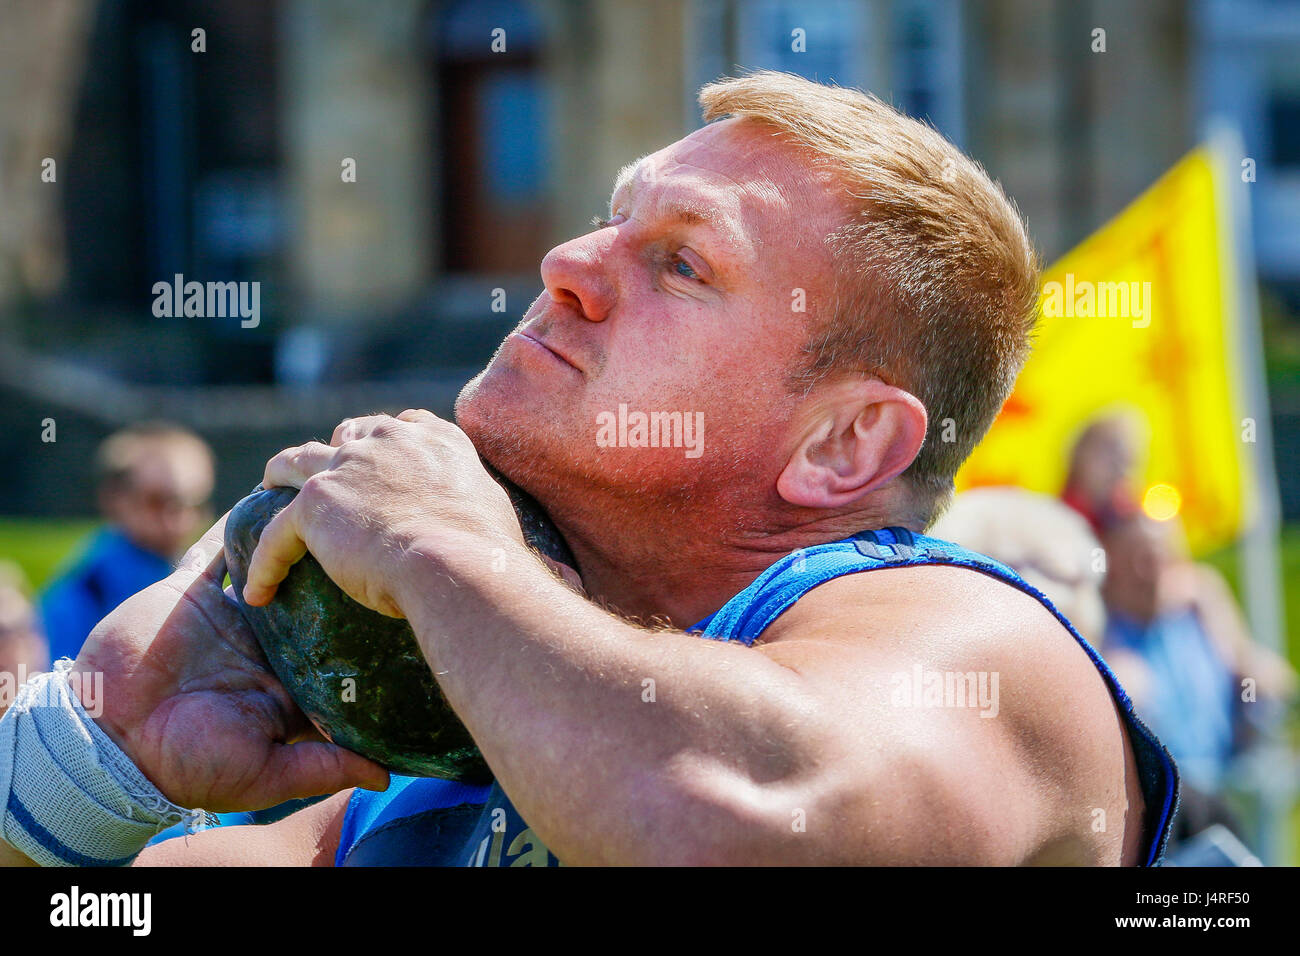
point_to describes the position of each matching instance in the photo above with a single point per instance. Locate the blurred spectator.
(1181, 619)
(22, 647)
(154, 480)
(1099, 484)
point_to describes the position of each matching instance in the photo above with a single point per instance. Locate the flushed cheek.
(741, 366)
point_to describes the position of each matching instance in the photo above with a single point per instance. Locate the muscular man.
(828, 290)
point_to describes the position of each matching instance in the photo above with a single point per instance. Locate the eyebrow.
(625, 177)
(691, 212)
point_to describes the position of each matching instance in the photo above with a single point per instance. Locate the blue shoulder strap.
(748, 614)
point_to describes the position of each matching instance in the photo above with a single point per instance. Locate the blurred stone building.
(392, 171)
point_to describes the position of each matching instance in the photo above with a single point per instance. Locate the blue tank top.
(430, 822)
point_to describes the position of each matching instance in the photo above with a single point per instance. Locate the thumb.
(205, 556)
(310, 768)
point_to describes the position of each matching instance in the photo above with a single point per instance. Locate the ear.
(858, 435)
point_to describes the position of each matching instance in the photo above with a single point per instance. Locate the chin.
(511, 428)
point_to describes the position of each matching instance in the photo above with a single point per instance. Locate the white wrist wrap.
(69, 796)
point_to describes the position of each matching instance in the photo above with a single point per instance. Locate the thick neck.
(684, 565)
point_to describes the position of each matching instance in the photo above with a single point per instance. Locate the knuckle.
(342, 431)
(387, 428)
(298, 457)
(313, 488)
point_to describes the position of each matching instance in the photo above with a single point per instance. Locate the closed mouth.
(560, 355)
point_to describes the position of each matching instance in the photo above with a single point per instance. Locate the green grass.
(40, 546)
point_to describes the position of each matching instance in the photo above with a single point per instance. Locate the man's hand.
(188, 695)
(381, 484)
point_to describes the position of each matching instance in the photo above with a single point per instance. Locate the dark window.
(1284, 129)
(491, 137)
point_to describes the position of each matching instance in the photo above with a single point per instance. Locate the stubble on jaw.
(644, 511)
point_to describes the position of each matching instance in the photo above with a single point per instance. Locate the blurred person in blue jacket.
(154, 481)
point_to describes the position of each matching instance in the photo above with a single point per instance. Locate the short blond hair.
(935, 279)
(121, 453)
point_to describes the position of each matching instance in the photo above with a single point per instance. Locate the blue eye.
(679, 264)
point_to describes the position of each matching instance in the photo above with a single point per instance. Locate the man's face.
(1107, 461)
(691, 299)
(164, 505)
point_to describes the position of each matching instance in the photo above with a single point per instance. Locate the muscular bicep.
(309, 837)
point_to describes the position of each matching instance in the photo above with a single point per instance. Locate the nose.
(576, 274)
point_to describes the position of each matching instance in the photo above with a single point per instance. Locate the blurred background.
(391, 172)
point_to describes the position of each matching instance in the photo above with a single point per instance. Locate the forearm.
(617, 744)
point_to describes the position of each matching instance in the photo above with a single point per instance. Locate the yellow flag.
(1139, 316)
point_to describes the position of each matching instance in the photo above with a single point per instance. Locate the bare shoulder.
(1019, 730)
(309, 837)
